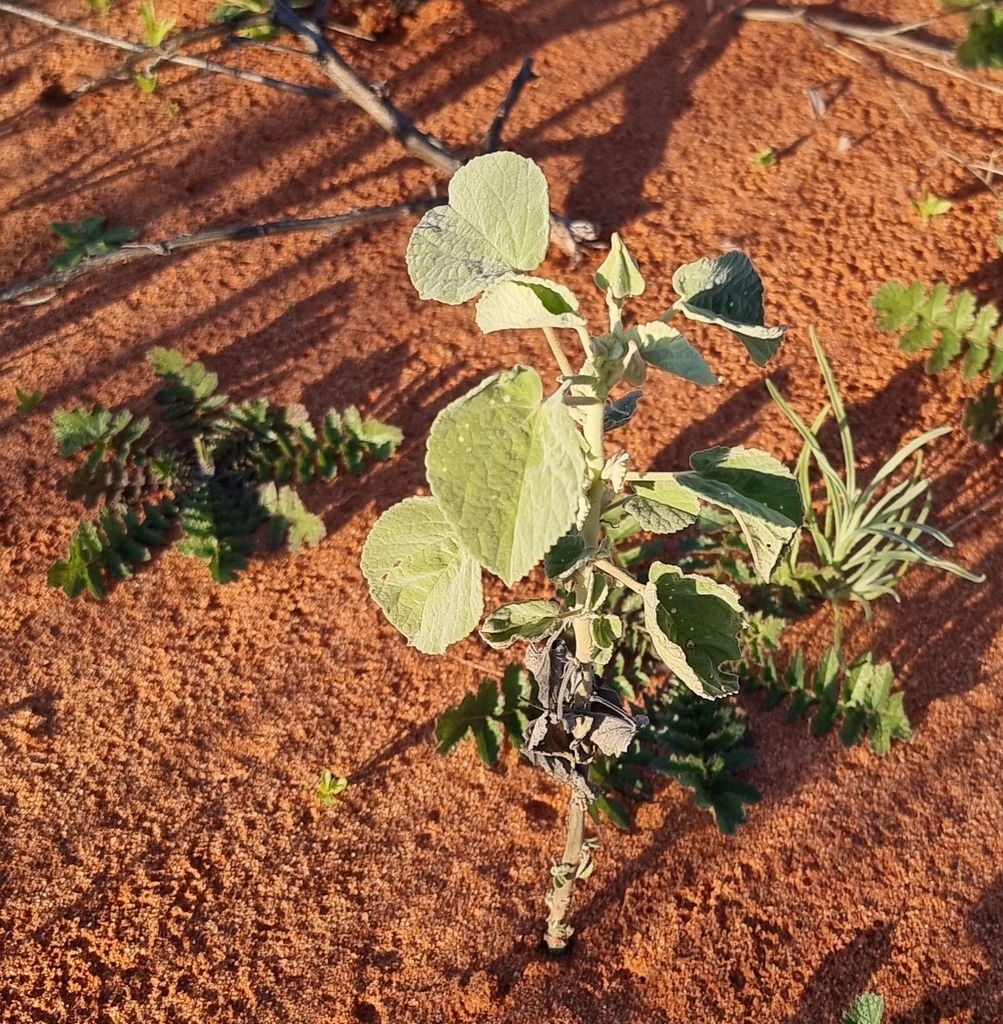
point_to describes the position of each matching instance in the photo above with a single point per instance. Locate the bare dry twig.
(492, 141)
(156, 54)
(28, 293)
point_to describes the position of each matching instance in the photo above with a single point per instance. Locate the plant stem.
(619, 575)
(558, 935)
(558, 352)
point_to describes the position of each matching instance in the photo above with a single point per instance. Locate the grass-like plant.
(89, 237)
(519, 477)
(869, 535)
(214, 474)
(956, 326)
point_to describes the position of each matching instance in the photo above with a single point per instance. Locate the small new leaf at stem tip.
(330, 786)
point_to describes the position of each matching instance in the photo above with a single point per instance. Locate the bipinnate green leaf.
(77, 429)
(527, 302)
(507, 470)
(758, 490)
(497, 224)
(422, 576)
(728, 292)
(522, 620)
(867, 1009)
(694, 625)
(619, 273)
(290, 518)
(663, 346)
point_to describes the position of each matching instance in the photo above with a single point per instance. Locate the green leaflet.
(497, 224)
(867, 1009)
(523, 620)
(621, 412)
(619, 273)
(727, 292)
(420, 574)
(290, 518)
(663, 346)
(758, 490)
(506, 468)
(526, 302)
(694, 625)
(662, 506)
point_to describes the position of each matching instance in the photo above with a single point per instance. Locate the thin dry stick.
(891, 39)
(492, 141)
(157, 54)
(362, 94)
(130, 253)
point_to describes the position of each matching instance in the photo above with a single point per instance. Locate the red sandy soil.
(162, 854)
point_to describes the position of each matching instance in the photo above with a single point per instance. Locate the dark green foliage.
(89, 237)
(984, 415)
(490, 715)
(216, 472)
(982, 47)
(237, 11)
(27, 401)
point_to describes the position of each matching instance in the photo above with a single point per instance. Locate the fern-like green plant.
(88, 237)
(214, 473)
(958, 328)
(982, 46)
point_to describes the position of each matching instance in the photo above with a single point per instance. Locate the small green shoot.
(329, 787)
(89, 237)
(27, 402)
(982, 47)
(867, 1009)
(154, 32)
(146, 82)
(173, 109)
(930, 205)
(99, 6)
(237, 11)
(764, 158)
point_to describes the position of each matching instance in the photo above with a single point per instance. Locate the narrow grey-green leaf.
(497, 223)
(728, 292)
(523, 620)
(507, 469)
(619, 273)
(663, 346)
(621, 412)
(419, 573)
(758, 490)
(694, 625)
(523, 302)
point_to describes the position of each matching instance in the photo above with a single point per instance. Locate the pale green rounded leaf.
(527, 302)
(524, 620)
(728, 292)
(662, 506)
(507, 469)
(694, 625)
(428, 586)
(497, 223)
(619, 273)
(663, 346)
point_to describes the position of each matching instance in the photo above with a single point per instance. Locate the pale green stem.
(558, 935)
(558, 352)
(619, 575)
(583, 337)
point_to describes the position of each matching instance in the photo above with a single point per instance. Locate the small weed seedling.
(99, 6)
(867, 1009)
(154, 32)
(329, 787)
(982, 47)
(929, 206)
(957, 324)
(88, 238)
(519, 477)
(217, 472)
(764, 159)
(27, 401)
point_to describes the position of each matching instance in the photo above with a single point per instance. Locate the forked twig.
(362, 94)
(156, 54)
(130, 253)
(492, 141)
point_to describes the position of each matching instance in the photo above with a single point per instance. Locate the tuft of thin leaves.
(869, 535)
(88, 237)
(214, 473)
